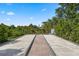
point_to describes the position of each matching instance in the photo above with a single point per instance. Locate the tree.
(3, 33)
(47, 26)
(67, 22)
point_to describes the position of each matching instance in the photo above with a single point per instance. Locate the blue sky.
(26, 13)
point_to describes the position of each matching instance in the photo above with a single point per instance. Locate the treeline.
(9, 32)
(66, 22)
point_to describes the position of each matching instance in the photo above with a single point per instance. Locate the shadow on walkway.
(10, 52)
(9, 42)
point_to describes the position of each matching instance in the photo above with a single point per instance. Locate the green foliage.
(67, 26)
(9, 32)
(66, 22)
(3, 33)
(47, 26)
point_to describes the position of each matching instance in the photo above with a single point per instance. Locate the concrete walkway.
(17, 47)
(62, 47)
(40, 47)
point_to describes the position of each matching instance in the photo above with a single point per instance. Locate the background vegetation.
(65, 24)
(9, 32)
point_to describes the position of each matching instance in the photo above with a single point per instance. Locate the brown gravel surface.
(40, 47)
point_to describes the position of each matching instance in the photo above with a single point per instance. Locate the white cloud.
(8, 19)
(7, 13)
(2, 12)
(31, 18)
(44, 9)
(10, 13)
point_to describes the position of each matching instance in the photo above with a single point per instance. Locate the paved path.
(61, 46)
(17, 47)
(40, 47)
